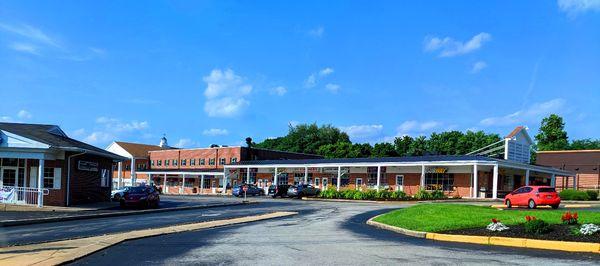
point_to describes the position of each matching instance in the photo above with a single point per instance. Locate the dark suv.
(300, 191)
(279, 190)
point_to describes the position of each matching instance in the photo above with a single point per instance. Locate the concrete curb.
(494, 240)
(7, 223)
(65, 251)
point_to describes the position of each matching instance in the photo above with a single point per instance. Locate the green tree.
(552, 134)
(472, 141)
(306, 138)
(445, 143)
(402, 145)
(383, 149)
(585, 144)
(418, 147)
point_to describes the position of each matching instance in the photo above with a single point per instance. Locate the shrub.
(383, 195)
(592, 194)
(349, 194)
(422, 195)
(572, 194)
(536, 226)
(438, 194)
(370, 194)
(569, 218)
(329, 193)
(398, 195)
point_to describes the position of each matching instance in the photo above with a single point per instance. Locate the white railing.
(20, 195)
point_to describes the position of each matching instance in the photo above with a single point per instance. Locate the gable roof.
(53, 136)
(514, 132)
(137, 149)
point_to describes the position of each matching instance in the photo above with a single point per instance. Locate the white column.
(165, 188)
(182, 189)
(41, 183)
(475, 181)
(248, 175)
(133, 174)
(422, 177)
(224, 192)
(201, 183)
(120, 174)
(305, 175)
(339, 177)
(553, 180)
(527, 177)
(276, 177)
(378, 176)
(575, 181)
(495, 183)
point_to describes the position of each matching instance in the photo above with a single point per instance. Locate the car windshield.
(546, 189)
(136, 189)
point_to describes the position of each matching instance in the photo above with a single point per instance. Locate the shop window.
(152, 163)
(439, 181)
(372, 177)
(211, 161)
(222, 161)
(159, 162)
(183, 162)
(167, 162)
(233, 160)
(174, 162)
(192, 162)
(202, 161)
(104, 178)
(127, 167)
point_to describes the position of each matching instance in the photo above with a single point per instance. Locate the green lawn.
(441, 217)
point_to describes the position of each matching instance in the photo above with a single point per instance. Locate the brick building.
(585, 163)
(38, 158)
(126, 172)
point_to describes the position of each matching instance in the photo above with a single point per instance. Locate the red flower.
(529, 218)
(494, 220)
(575, 216)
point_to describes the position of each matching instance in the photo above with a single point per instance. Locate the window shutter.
(57, 178)
(33, 173)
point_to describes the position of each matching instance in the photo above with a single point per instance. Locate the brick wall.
(85, 185)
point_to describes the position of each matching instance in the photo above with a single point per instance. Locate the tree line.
(331, 142)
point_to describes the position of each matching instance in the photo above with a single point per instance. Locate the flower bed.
(384, 195)
(560, 232)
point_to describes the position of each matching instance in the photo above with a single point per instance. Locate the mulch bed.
(559, 232)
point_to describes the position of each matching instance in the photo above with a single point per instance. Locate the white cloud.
(185, 143)
(31, 33)
(24, 114)
(334, 88)
(575, 7)
(6, 119)
(280, 91)
(225, 93)
(115, 125)
(449, 47)
(314, 78)
(532, 114)
(317, 32)
(362, 132)
(478, 66)
(215, 132)
(311, 81)
(99, 137)
(326, 72)
(413, 126)
(25, 48)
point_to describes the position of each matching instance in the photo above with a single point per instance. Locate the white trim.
(180, 173)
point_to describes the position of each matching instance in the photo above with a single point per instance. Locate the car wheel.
(555, 206)
(508, 204)
(531, 204)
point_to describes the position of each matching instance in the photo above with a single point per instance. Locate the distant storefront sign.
(87, 166)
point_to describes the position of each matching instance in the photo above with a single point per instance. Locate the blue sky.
(206, 72)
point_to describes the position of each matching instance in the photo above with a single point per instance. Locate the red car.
(533, 196)
(142, 196)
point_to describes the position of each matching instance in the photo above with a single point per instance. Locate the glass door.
(399, 183)
(9, 176)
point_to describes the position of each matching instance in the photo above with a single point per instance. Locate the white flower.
(589, 229)
(497, 227)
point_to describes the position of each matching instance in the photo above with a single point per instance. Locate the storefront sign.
(87, 166)
(438, 170)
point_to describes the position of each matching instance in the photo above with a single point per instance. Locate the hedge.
(372, 194)
(572, 194)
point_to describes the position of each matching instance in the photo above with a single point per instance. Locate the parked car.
(142, 196)
(252, 190)
(278, 191)
(117, 194)
(299, 191)
(533, 196)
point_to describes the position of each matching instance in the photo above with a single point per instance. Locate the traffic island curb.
(494, 240)
(65, 251)
(7, 223)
